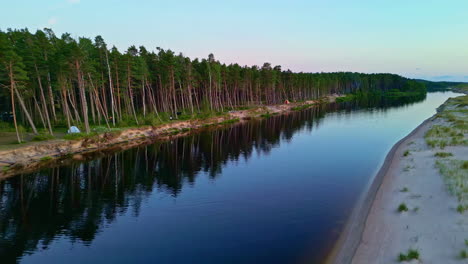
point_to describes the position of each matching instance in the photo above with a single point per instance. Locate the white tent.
(73, 129)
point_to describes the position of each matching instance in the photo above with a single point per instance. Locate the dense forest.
(49, 82)
(78, 200)
(440, 86)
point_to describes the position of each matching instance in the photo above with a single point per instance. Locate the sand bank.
(377, 232)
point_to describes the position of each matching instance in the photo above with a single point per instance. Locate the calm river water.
(276, 190)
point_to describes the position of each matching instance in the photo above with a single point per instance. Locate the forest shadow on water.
(238, 194)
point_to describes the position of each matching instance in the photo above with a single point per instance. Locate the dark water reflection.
(270, 191)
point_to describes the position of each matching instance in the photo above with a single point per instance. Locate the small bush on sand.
(413, 254)
(410, 255)
(443, 154)
(461, 208)
(463, 254)
(402, 208)
(464, 165)
(406, 153)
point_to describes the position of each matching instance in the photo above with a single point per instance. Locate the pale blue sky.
(415, 38)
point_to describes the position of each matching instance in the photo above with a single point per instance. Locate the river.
(276, 190)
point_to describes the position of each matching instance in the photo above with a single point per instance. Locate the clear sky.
(415, 38)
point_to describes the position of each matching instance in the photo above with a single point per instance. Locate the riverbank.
(27, 158)
(414, 207)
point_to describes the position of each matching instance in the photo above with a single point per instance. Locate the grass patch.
(402, 208)
(455, 176)
(464, 165)
(76, 136)
(301, 107)
(230, 121)
(463, 254)
(461, 208)
(455, 112)
(405, 189)
(42, 137)
(347, 98)
(45, 158)
(410, 255)
(443, 154)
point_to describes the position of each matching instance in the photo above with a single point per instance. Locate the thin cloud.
(444, 77)
(52, 21)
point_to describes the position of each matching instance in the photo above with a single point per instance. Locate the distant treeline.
(441, 86)
(55, 81)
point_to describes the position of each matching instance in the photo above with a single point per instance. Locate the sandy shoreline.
(377, 233)
(351, 236)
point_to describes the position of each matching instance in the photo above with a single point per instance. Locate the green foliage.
(46, 158)
(9, 127)
(230, 121)
(76, 136)
(410, 255)
(42, 137)
(347, 98)
(301, 107)
(405, 189)
(413, 254)
(161, 81)
(441, 86)
(463, 254)
(461, 208)
(402, 208)
(443, 136)
(406, 153)
(443, 154)
(464, 165)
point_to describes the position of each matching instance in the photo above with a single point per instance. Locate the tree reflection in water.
(78, 200)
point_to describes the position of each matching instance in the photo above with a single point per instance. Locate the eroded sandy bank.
(29, 158)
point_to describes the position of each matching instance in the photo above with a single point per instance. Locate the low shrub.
(42, 137)
(443, 154)
(402, 208)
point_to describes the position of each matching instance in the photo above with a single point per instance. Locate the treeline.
(77, 200)
(55, 81)
(441, 86)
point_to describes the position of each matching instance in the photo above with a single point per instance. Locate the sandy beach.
(430, 223)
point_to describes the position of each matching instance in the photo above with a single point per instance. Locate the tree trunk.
(12, 87)
(84, 104)
(43, 100)
(111, 88)
(25, 110)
